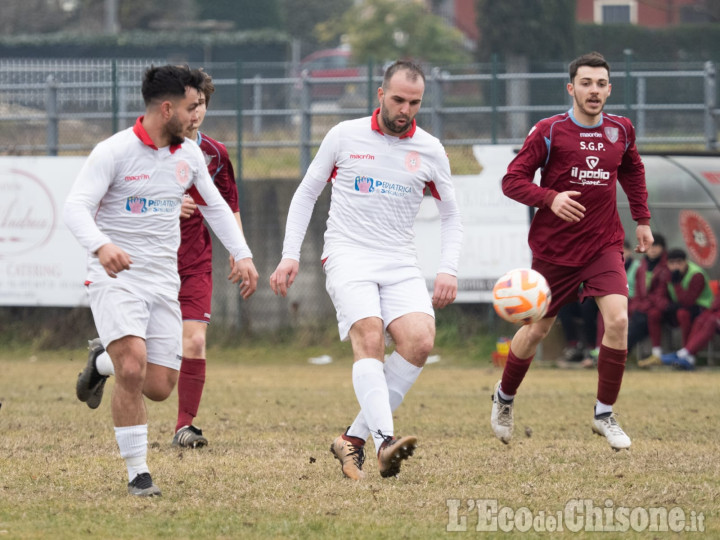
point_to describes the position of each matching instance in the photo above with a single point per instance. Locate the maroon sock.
(190, 387)
(514, 373)
(611, 366)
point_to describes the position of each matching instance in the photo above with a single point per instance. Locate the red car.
(329, 64)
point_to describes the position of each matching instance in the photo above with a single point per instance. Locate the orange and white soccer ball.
(521, 296)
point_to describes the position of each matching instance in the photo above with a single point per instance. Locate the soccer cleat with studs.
(350, 454)
(501, 416)
(393, 452)
(189, 437)
(607, 426)
(90, 384)
(142, 486)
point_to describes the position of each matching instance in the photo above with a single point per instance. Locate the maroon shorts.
(602, 276)
(196, 297)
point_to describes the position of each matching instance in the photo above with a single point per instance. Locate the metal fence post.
(51, 107)
(494, 100)
(628, 83)
(711, 112)
(437, 103)
(115, 107)
(641, 101)
(305, 123)
(239, 128)
(257, 104)
(370, 88)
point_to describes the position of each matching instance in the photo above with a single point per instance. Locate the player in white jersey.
(379, 167)
(124, 209)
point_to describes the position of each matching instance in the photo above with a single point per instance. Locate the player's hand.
(284, 276)
(566, 208)
(244, 271)
(644, 237)
(187, 208)
(113, 259)
(445, 291)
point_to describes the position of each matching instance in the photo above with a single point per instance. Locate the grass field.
(270, 417)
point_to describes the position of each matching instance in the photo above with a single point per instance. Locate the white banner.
(41, 263)
(496, 228)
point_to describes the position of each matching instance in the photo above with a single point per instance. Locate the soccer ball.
(521, 296)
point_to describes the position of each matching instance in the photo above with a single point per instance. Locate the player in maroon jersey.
(576, 236)
(195, 269)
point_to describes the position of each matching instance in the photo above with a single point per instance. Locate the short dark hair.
(207, 87)
(659, 240)
(414, 71)
(676, 254)
(593, 59)
(169, 81)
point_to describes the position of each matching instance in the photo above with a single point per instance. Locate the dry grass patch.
(267, 472)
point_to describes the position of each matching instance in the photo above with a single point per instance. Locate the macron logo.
(362, 156)
(136, 177)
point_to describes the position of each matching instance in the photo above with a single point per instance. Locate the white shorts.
(121, 309)
(363, 285)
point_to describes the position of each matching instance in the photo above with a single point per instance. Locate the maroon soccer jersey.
(195, 252)
(588, 159)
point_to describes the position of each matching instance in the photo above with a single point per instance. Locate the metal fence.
(278, 118)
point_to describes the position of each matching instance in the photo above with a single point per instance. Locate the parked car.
(329, 64)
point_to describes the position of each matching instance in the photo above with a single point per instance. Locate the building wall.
(653, 14)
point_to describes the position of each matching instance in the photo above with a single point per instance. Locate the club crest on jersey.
(208, 158)
(592, 161)
(412, 161)
(612, 134)
(182, 173)
(364, 184)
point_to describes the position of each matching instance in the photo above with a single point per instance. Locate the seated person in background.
(651, 297)
(702, 331)
(579, 325)
(689, 293)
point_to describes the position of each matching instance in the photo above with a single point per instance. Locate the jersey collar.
(139, 130)
(375, 124)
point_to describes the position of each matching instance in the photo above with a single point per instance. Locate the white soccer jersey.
(129, 193)
(377, 187)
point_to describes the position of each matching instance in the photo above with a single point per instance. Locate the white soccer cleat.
(611, 430)
(501, 417)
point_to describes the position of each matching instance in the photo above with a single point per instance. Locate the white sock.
(104, 364)
(683, 353)
(132, 441)
(504, 396)
(372, 393)
(657, 351)
(400, 375)
(601, 408)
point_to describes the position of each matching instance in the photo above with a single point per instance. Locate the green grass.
(267, 473)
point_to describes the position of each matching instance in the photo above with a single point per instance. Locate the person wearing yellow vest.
(689, 293)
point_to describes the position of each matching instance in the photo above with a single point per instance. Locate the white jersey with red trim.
(377, 187)
(129, 193)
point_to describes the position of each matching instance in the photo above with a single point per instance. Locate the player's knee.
(160, 387)
(617, 323)
(194, 346)
(130, 372)
(535, 333)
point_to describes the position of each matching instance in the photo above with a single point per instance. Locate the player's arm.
(631, 176)
(451, 234)
(222, 221)
(518, 184)
(81, 205)
(300, 212)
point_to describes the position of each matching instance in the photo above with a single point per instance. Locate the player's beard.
(174, 130)
(391, 125)
(582, 107)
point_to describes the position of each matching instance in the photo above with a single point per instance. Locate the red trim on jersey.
(333, 175)
(139, 130)
(195, 194)
(376, 125)
(433, 190)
